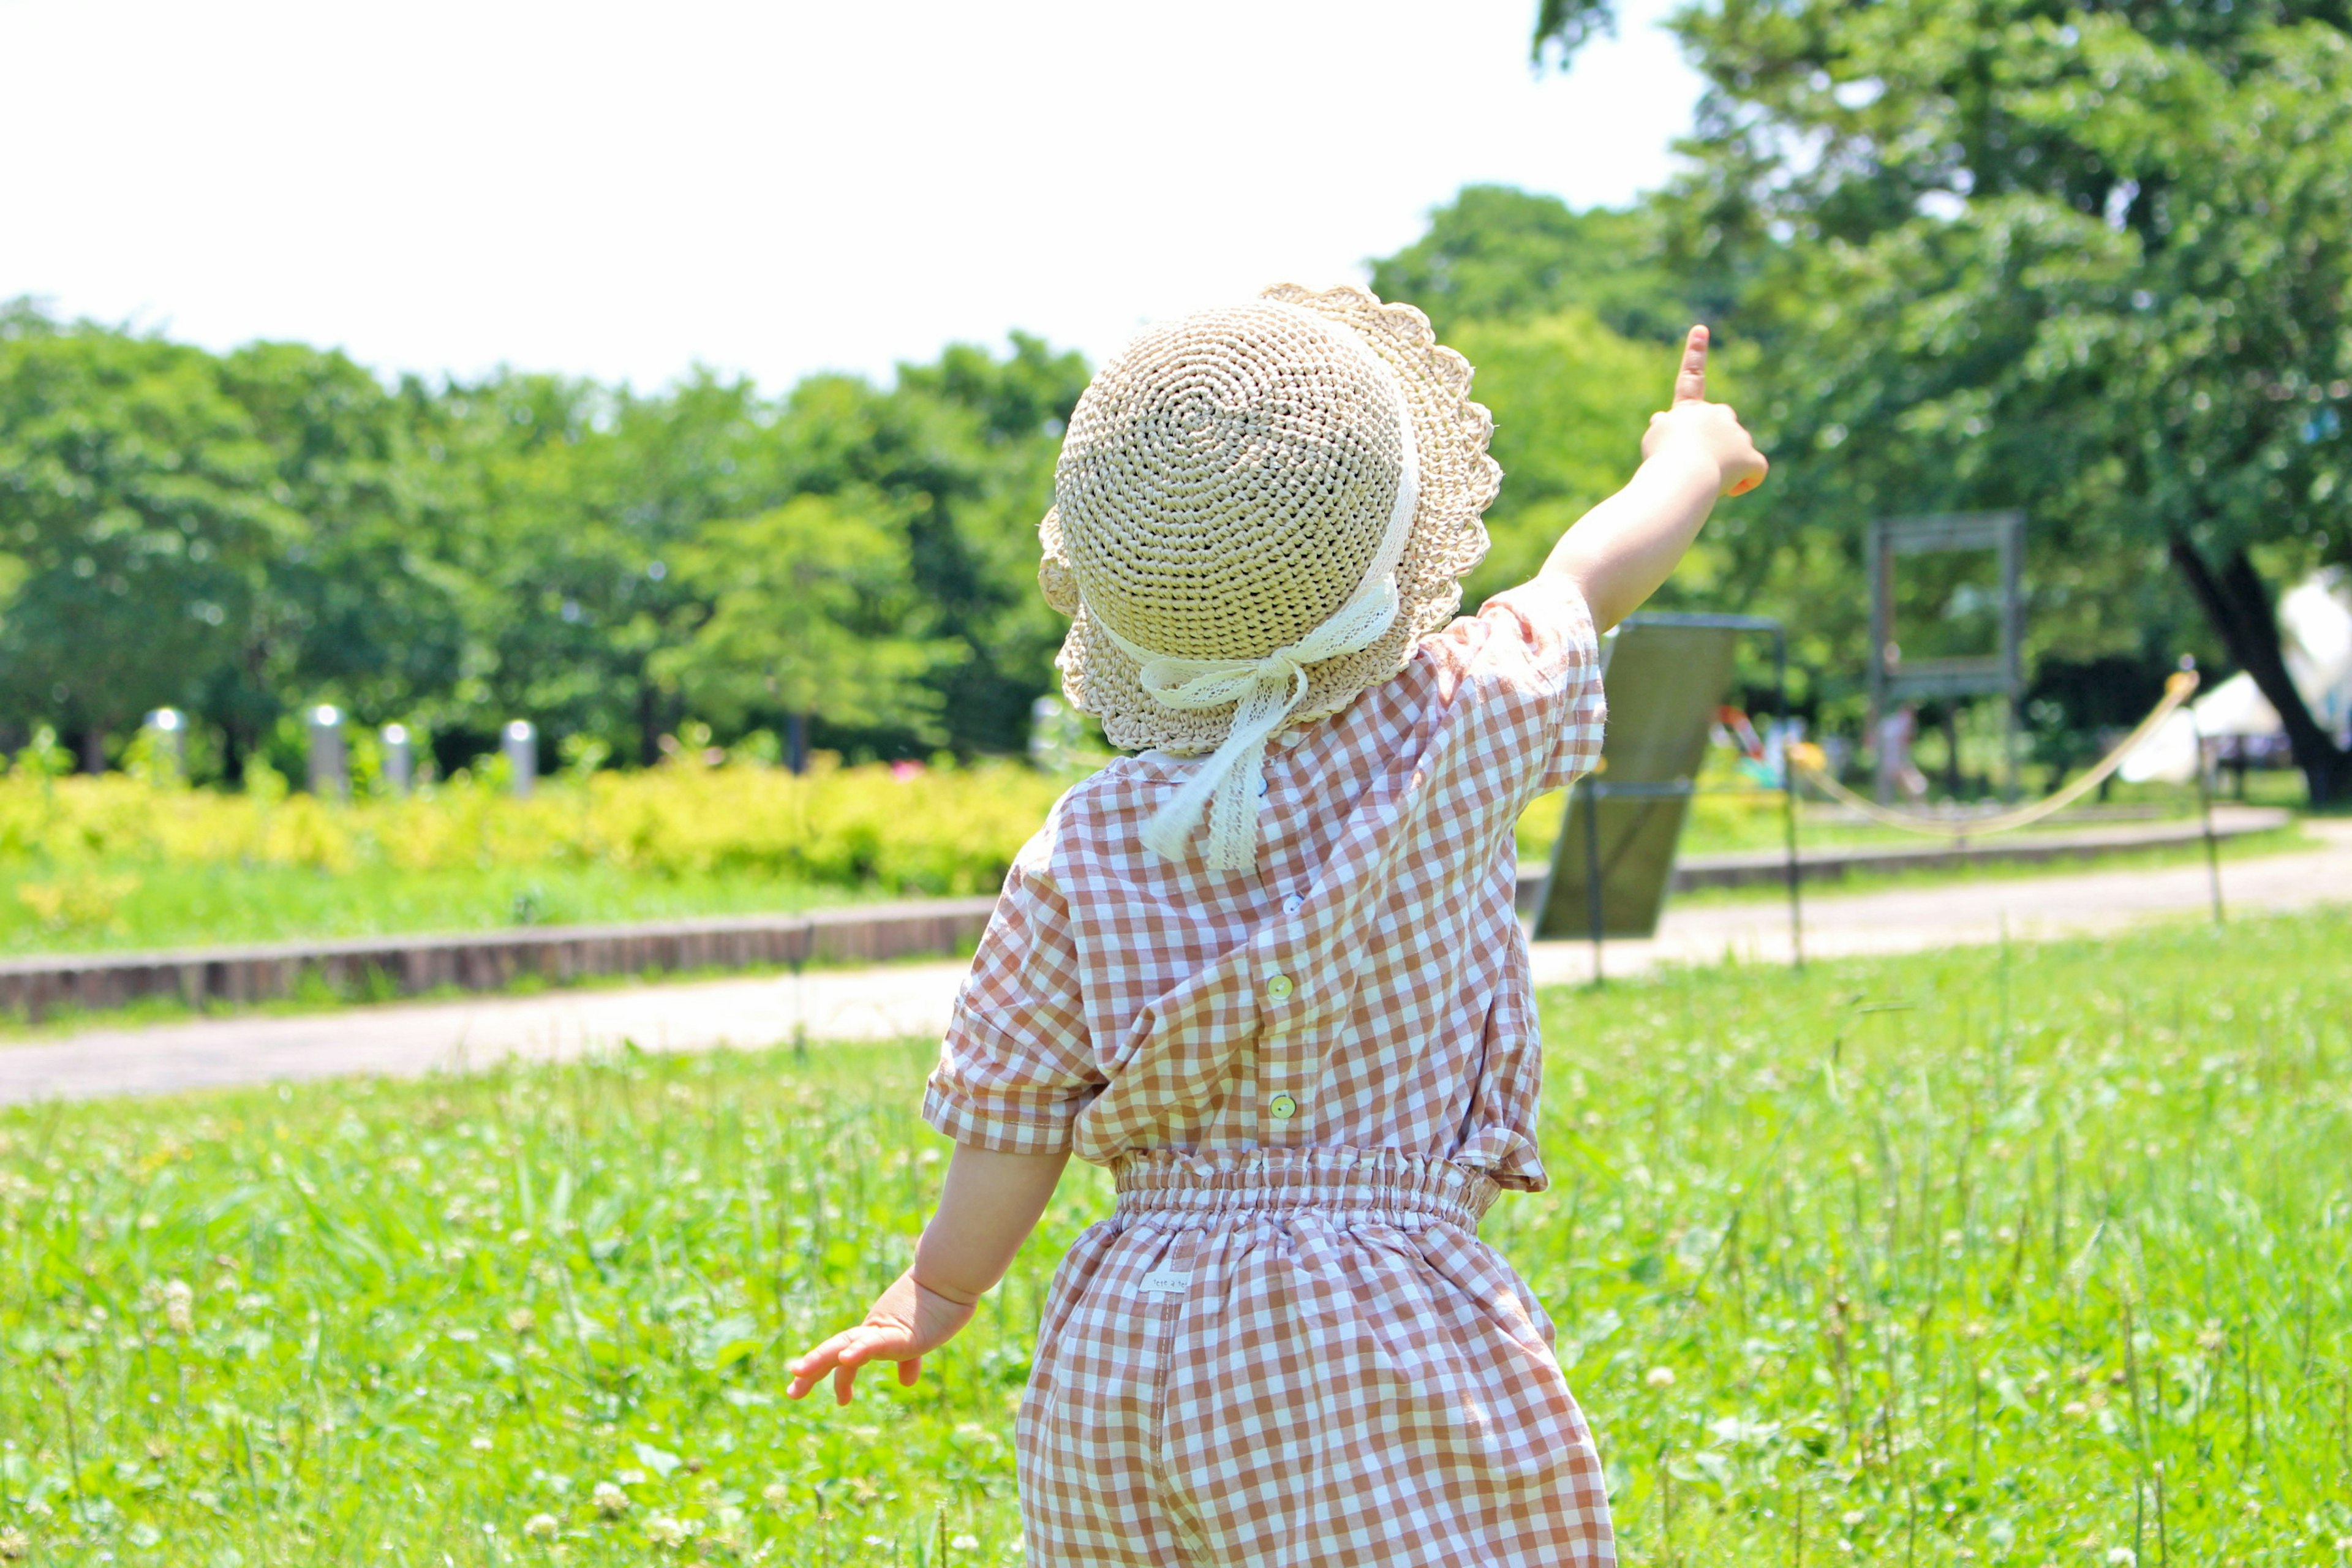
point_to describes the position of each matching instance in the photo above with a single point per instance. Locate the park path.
(896, 1001)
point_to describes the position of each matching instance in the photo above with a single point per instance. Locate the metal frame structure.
(1592, 788)
(2002, 674)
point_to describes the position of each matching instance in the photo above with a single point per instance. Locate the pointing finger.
(1690, 381)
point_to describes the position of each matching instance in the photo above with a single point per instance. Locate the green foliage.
(1917, 1257)
(255, 532)
(1495, 253)
(805, 602)
(137, 520)
(2093, 264)
(171, 866)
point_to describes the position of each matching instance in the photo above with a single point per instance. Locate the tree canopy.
(2093, 261)
(246, 534)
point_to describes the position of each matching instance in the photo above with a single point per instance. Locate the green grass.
(1951, 1253)
(147, 904)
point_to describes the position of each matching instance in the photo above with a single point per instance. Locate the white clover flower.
(1852, 1516)
(775, 1494)
(610, 1500)
(2122, 1556)
(664, 1530)
(179, 1306)
(1660, 1377)
(966, 1543)
(540, 1527)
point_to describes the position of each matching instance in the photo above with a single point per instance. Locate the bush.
(907, 830)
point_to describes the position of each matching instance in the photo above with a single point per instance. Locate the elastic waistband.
(1387, 1186)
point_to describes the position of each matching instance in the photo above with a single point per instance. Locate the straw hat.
(1257, 512)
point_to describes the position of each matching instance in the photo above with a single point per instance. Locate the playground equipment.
(1666, 676)
(1893, 678)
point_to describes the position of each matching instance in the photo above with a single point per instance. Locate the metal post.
(399, 758)
(1047, 753)
(330, 773)
(2205, 802)
(1592, 868)
(2012, 647)
(1879, 563)
(521, 745)
(1788, 795)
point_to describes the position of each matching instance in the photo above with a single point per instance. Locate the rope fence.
(1808, 759)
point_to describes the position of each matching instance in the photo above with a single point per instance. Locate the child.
(1281, 993)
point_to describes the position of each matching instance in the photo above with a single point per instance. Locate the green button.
(1278, 986)
(1283, 1107)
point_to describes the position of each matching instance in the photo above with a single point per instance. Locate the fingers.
(842, 1355)
(809, 1370)
(1690, 381)
(862, 1348)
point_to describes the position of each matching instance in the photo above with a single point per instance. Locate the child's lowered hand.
(906, 1322)
(1707, 432)
(990, 1202)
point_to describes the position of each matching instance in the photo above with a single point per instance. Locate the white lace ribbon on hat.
(1266, 691)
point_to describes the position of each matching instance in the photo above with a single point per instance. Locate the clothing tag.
(1166, 1280)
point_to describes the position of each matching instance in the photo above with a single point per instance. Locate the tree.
(136, 521)
(810, 607)
(964, 448)
(2098, 263)
(1496, 254)
(361, 602)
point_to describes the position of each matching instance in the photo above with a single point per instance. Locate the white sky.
(624, 191)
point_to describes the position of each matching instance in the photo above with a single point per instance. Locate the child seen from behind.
(1267, 970)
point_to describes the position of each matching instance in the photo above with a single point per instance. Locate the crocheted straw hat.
(1257, 512)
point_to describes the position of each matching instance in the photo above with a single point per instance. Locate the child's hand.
(1709, 432)
(906, 1322)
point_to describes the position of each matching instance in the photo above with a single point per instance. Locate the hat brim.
(1448, 539)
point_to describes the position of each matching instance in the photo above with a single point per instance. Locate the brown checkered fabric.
(1288, 1345)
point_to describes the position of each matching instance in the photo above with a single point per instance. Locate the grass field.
(2036, 1256)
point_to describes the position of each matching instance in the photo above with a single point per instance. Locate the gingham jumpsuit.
(1288, 1345)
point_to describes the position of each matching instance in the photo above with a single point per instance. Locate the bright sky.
(624, 191)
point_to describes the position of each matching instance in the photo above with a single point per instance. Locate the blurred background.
(464, 390)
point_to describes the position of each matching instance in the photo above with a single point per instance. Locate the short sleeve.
(1552, 629)
(1017, 1067)
(1526, 671)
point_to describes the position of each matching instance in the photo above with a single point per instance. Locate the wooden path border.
(389, 966)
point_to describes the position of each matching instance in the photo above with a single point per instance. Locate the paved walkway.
(902, 1000)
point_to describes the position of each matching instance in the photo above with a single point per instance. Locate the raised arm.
(1695, 453)
(989, 1206)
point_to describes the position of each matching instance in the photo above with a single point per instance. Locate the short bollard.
(330, 773)
(399, 759)
(167, 741)
(521, 743)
